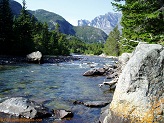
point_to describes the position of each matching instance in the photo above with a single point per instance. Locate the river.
(57, 86)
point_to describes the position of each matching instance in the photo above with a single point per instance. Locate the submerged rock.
(22, 107)
(60, 114)
(95, 104)
(139, 93)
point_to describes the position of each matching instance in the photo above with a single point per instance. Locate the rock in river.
(95, 104)
(34, 57)
(95, 72)
(22, 107)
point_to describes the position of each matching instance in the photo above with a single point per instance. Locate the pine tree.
(53, 43)
(143, 20)
(23, 28)
(38, 37)
(45, 39)
(6, 31)
(63, 45)
(111, 46)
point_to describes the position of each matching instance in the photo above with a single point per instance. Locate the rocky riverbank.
(7, 60)
(58, 59)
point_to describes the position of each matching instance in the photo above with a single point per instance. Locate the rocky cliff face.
(104, 22)
(139, 93)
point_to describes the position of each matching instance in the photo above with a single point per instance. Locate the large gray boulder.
(34, 57)
(22, 107)
(139, 94)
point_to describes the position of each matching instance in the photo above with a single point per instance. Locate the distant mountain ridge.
(87, 33)
(52, 19)
(104, 22)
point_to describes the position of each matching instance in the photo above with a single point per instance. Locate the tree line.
(24, 34)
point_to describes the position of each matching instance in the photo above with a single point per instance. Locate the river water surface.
(57, 86)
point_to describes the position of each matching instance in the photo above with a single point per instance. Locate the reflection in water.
(58, 86)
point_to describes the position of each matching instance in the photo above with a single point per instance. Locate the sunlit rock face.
(139, 93)
(25, 108)
(104, 22)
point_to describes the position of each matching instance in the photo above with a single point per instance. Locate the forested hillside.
(52, 19)
(90, 34)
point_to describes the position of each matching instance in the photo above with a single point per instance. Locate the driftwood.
(111, 83)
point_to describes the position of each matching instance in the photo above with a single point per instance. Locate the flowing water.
(57, 86)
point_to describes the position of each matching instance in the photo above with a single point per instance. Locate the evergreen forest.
(142, 21)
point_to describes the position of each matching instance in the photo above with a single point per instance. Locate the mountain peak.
(104, 22)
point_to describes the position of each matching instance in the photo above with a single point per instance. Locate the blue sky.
(72, 10)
